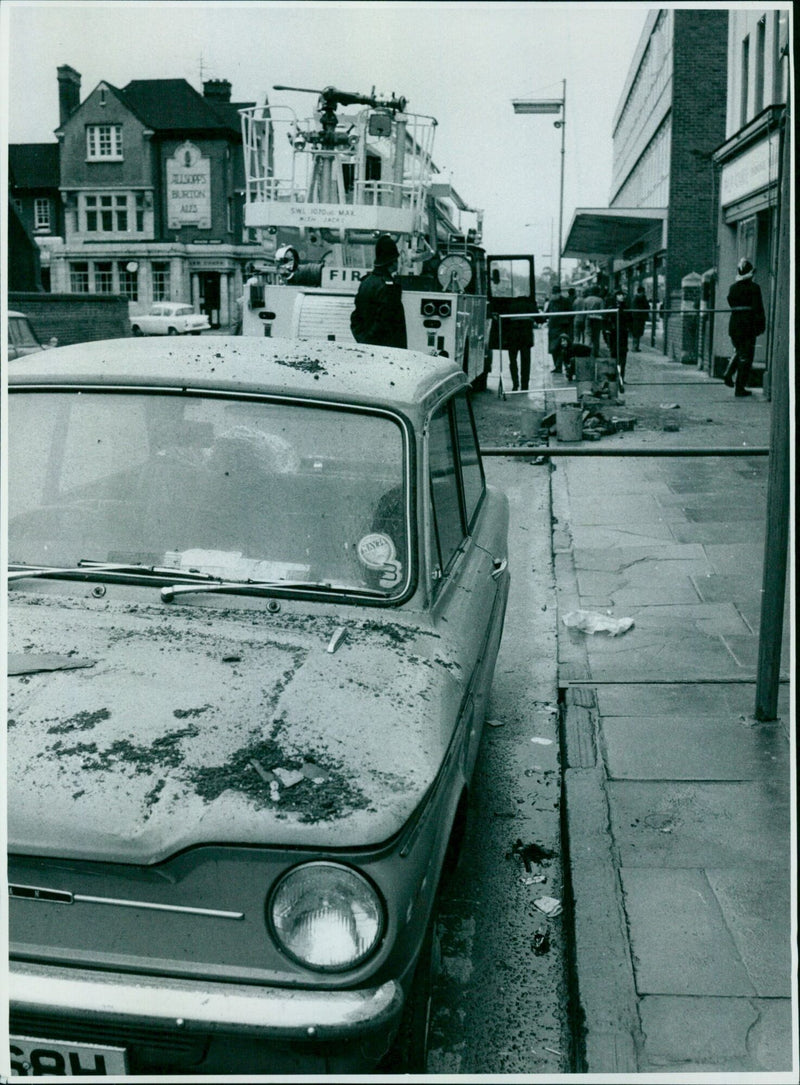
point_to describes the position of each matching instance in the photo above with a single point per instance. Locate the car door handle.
(499, 567)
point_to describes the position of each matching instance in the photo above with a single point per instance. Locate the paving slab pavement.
(678, 802)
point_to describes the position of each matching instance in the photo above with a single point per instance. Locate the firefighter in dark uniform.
(378, 317)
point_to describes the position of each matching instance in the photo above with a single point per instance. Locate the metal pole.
(561, 196)
(776, 542)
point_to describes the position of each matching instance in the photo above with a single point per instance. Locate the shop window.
(41, 213)
(103, 278)
(129, 281)
(103, 142)
(161, 282)
(79, 277)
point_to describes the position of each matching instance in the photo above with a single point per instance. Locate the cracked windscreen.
(237, 489)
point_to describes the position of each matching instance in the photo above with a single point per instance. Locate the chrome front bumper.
(200, 1006)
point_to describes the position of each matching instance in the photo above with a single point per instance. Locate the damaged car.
(256, 594)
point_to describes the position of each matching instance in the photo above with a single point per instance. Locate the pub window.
(103, 141)
(129, 282)
(139, 212)
(41, 213)
(103, 278)
(79, 277)
(161, 282)
(121, 213)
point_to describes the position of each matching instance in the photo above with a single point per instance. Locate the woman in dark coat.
(640, 308)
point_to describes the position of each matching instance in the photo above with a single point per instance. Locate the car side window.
(471, 466)
(448, 523)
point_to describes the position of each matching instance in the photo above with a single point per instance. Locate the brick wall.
(73, 318)
(699, 95)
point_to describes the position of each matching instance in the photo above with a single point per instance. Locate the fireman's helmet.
(287, 259)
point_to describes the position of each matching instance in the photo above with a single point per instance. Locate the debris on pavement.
(586, 621)
(669, 406)
(533, 879)
(549, 905)
(495, 723)
(541, 943)
(529, 853)
(542, 741)
(289, 777)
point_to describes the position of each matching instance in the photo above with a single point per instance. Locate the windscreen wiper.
(258, 587)
(88, 569)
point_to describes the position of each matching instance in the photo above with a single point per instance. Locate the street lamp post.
(551, 105)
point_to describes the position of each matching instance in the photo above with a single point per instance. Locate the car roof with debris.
(319, 369)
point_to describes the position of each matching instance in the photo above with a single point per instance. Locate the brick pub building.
(151, 185)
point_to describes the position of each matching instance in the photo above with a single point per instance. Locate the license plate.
(35, 1057)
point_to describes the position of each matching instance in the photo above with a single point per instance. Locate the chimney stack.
(218, 90)
(69, 92)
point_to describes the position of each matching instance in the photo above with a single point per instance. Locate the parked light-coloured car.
(256, 593)
(170, 318)
(22, 339)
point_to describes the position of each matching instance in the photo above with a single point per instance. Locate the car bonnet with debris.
(256, 592)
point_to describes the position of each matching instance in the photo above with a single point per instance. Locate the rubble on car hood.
(224, 724)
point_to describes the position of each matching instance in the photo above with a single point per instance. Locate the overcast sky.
(461, 62)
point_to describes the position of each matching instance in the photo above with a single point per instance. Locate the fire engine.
(321, 190)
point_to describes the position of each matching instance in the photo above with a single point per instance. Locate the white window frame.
(160, 277)
(42, 211)
(109, 207)
(104, 143)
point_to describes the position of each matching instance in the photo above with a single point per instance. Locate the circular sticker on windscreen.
(376, 550)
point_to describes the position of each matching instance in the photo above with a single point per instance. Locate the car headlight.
(326, 916)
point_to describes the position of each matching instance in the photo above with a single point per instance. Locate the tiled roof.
(173, 104)
(33, 165)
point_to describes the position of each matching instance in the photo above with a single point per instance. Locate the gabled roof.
(33, 165)
(174, 105)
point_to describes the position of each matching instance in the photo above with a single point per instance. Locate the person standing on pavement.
(557, 325)
(592, 302)
(641, 307)
(518, 340)
(618, 326)
(747, 322)
(579, 320)
(378, 317)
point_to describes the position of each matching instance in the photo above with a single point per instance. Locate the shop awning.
(621, 233)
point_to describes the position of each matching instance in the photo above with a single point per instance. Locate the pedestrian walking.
(557, 325)
(617, 329)
(579, 320)
(518, 340)
(641, 308)
(378, 317)
(592, 302)
(747, 322)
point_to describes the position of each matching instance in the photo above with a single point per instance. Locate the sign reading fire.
(188, 188)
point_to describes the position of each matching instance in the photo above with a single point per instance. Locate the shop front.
(748, 217)
(630, 245)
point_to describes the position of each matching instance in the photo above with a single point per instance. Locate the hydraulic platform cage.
(364, 182)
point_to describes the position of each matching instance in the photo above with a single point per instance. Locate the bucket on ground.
(569, 422)
(584, 376)
(533, 414)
